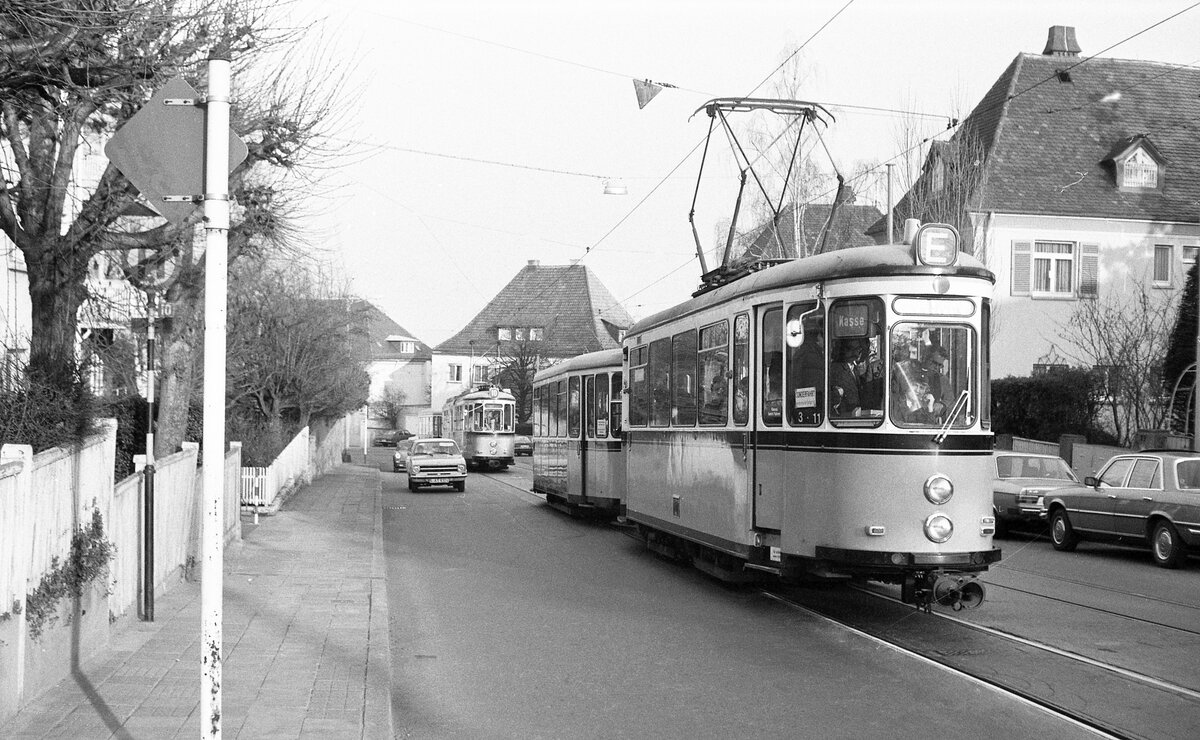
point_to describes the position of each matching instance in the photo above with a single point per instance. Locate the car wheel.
(1062, 535)
(460, 486)
(412, 485)
(1001, 525)
(1164, 543)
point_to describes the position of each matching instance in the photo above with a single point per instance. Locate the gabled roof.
(386, 336)
(1049, 131)
(571, 305)
(848, 229)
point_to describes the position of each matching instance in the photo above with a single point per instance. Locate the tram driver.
(919, 387)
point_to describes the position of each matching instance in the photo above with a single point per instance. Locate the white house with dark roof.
(1090, 184)
(558, 310)
(398, 361)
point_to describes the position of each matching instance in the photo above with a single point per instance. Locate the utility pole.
(148, 471)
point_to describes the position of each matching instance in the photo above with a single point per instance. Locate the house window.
(1189, 258)
(407, 348)
(455, 374)
(504, 333)
(480, 373)
(1162, 264)
(519, 333)
(536, 334)
(1140, 171)
(1041, 368)
(1054, 268)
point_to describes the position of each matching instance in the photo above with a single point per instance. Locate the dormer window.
(1137, 164)
(1139, 171)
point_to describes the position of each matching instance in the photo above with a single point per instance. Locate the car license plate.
(439, 480)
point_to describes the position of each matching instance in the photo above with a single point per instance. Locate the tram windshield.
(932, 369)
(491, 417)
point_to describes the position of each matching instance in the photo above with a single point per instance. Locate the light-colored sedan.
(1149, 498)
(435, 462)
(1019, 484)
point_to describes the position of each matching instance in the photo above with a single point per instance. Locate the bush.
(1048, 406)
(46, 416)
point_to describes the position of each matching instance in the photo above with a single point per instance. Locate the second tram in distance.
(482, 421)
(826, 416)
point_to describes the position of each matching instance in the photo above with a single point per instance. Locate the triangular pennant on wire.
(646, 90)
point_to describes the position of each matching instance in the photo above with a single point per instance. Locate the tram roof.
(482, 394)
(878, 261)
(605, 358)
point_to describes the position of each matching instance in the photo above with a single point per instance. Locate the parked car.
(1149, 498)
(401, 453)
(435, 462)
(1020, 482)
(522, 445)
(386, 438)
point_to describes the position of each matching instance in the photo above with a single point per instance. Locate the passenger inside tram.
(919, 388)
(806, 369)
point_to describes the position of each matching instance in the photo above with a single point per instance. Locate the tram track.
(1100, 696)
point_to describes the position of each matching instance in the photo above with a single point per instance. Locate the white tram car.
(825, 416)
(482, 421)
(578, 460)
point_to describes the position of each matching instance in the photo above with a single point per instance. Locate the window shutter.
(1020, 267)
(1089, 270)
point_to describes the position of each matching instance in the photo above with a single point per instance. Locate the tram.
(578, 460)
(823, 417)
(482, 422)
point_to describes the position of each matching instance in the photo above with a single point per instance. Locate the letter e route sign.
(161, 150)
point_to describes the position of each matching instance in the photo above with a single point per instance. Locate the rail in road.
(1114, 696)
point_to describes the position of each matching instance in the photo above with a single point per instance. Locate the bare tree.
(71, 71)
(1125, 338)
(518, 361)
(390, 405)
(293, 351)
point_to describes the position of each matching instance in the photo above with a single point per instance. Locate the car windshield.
(1028, 466)
(442, 449)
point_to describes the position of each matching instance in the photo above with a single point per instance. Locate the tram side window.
(573, 407)
(601, 412)
(683, 380)
(805, 364)
(985, 367)
(560, 409)
(932, 369)
(856, 362)
(741, 369)
(509, 410)
(614, 405)
(639, 387)
(658, 373)
(771, 366)
(589, 405)
(714, 377)
(537, 412)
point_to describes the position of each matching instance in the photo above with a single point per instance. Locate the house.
(399, 367)
(1073, 179)
(546, 313)
(802, 230)
(14, 310)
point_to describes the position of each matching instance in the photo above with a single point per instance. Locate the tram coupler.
(956, 591)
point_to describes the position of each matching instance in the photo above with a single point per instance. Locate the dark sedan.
(522, 445)
(1149, 498)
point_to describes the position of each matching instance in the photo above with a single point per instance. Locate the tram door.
(770, 443)
(576, 441)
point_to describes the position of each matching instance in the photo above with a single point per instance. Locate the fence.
(302, 460)
(44, 500)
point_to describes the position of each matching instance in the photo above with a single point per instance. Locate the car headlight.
(938, 489)
(462, 469)
(415, 467)
(938, 528)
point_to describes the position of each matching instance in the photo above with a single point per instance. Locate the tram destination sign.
(161, 150)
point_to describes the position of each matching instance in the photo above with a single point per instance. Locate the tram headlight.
(938, 528)
(938, 489)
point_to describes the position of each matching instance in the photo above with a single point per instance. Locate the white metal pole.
(890, 233)
(216, 231)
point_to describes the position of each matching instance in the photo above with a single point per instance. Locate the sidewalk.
(305, 637)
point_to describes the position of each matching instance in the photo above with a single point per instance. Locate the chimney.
(535, 263)
(1061, 42)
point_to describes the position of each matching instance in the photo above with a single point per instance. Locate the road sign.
(161, 150)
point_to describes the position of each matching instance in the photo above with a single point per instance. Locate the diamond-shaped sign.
(161, 150)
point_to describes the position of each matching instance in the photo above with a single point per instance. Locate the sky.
(479, 135)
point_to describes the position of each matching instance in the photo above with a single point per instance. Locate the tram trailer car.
(826, 416)
(482, 422)
(578, 457)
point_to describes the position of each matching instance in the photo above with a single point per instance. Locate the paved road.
(510, 620)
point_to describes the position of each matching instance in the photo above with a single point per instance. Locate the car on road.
(435, 462)
(400, 455)
(1149, 498)
(522, 445)
(1019, 484)
(386, 438)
